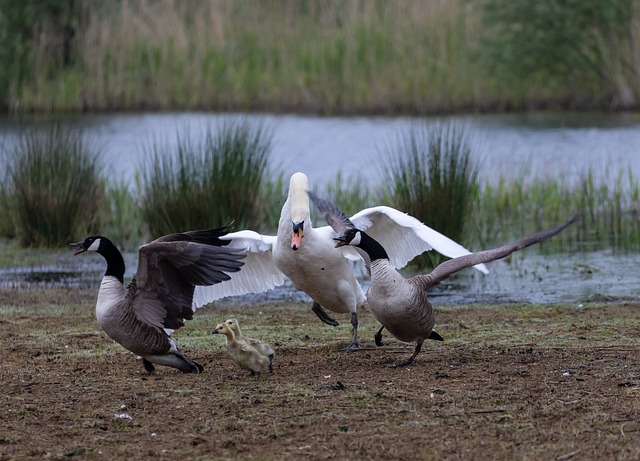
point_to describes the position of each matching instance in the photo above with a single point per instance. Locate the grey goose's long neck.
(115, 261)
(372, 247)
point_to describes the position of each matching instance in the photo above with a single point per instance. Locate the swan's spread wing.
(404, 237)
(258, 274)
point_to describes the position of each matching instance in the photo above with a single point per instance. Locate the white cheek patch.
(356, 240)
(94, 246)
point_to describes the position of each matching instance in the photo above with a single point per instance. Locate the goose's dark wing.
(339, 222)
(334, 216)
(206, 237)
(170, 267)
(445, 269)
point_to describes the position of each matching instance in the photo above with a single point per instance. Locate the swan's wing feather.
(404, 237)
(258, 274)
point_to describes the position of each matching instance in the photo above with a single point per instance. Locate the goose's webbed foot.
(411, 360)
(255, 374)
(355, 346)
(404, 363)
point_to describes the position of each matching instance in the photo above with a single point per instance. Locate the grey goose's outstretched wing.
(334, 216)
(339, 222)
(170, 267)
(445, 269)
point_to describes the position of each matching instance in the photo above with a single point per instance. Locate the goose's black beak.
(79, 247)
(340, 241)
(215, 332)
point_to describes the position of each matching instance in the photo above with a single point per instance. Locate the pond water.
(532, 146)
(526, 277)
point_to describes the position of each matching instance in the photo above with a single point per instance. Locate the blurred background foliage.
(332, 56)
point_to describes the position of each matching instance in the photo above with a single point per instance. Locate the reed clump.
(429, 173)
(7, 221)
(211, 181)
(121, 214)
(351, 194)
(54, 188)
(521, 206)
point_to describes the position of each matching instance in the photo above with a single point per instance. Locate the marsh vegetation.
(225, 175)
(325, 57)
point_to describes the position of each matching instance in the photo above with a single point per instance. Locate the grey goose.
(141, 315)
(401, 304)
(309, 258)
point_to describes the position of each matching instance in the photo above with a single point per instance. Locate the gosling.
(243, 353)
(260, 346)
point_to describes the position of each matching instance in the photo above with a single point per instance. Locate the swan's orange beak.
(296, 237)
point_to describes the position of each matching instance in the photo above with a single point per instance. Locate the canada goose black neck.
(372, 247)
(115, 261)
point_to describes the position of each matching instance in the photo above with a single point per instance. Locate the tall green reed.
(208, 182)
(351, 194)
(430, 174)
(326, 57)
(55, 184)
(519, 206)
(121, 215)
(7, 222)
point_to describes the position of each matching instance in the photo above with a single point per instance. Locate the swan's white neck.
(299, 197)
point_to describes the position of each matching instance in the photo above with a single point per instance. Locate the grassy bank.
(328, 57)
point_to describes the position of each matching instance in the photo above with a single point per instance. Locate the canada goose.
(260, 346)
(159, 297)
(308, 257)
(399, 304)
(243, 353)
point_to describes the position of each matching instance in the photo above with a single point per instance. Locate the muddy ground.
(509, 382)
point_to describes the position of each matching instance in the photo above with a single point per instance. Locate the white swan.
(309, 258)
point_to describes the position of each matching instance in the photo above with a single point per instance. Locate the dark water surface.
(527, 277)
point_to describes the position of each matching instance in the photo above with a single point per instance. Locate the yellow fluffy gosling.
(242, 352)
(260, 346)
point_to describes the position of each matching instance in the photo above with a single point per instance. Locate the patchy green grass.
(12, 254)
(562, 378)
